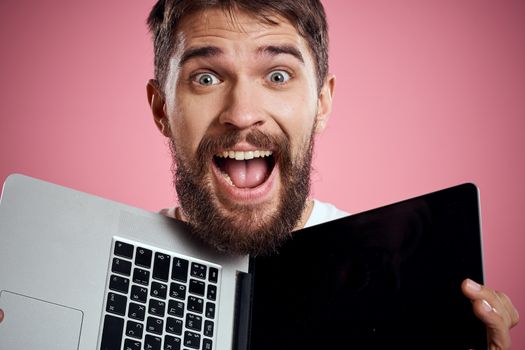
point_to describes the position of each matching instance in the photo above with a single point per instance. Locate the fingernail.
(473, 285)
(486, 306)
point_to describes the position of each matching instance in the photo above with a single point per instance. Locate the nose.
(242, 106)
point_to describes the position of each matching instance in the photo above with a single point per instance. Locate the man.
(241, 89)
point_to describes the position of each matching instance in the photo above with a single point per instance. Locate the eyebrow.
(202, 51)
(274, 50)
(210, 51)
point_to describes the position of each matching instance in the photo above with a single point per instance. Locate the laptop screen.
(385, 278)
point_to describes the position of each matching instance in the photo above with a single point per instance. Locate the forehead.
(236, 28)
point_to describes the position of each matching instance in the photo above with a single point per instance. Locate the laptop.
(81, 272)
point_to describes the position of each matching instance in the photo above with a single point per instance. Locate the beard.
(245, 229)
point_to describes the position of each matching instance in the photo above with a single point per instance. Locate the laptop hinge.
(243, 302)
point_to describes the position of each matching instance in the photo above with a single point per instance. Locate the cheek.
(189, 124)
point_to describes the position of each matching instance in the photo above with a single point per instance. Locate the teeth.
(240, 155)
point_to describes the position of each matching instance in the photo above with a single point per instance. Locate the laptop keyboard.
(158, 300)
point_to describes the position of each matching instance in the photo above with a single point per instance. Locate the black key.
(134, 329)
(179, 272)
(207, 344)
(123, 249)
(171, 343)
(141, 276)
(208, 328)
(136, 311)
(112, 333)
(161, 267)
(130, 344)
(139, 293)
(157, 307)
(198, 270)
(176, 308)
(210, 310)
(120, 284)
(143, 257)
(151, 342)
(193, 322)
(177, 291)
(154, 325)
(197, 287)
(159, 290)
(174, 325)
(195, 304)
(121, 266)
(214, 275)
(192, 340)
(212, 292)
(116, 304)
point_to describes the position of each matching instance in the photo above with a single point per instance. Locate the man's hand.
(495, 310)
(1, 315)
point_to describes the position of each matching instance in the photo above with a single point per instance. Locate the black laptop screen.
(388, 278)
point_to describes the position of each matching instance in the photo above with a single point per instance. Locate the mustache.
(211, 145)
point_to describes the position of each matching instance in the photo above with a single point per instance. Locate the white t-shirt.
(323, 212)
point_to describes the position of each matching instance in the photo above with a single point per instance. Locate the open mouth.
(245, 169)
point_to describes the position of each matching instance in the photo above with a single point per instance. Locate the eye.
(206, 79)
(279, 77)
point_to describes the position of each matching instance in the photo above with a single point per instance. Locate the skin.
(242, 96)
(244, 99)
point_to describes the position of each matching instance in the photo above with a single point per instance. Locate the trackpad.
(35, 324)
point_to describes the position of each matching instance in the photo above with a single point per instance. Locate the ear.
(157, 105)
(324, 103)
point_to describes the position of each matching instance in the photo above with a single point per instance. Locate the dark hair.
(307, 16)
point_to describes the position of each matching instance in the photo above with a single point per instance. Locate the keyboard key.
(198, 270)
(193, 322)
(159, 290)
(210, 310)
(120, 284)
(137, 311)
(112, 333)
(130, 344)
(151, 342)
(171, 343)
(195, 304)
(121, 266)
(214, 275)
(123, 249)
(139, 293)
(161, 267)
(197, 287)
(134, 329)
(141, 276)
(174, 325)
(177, 291)
(157, 307)
(212, 292)
(143, 257)
(154, 325)
(207, 344)
(176, 308)
(116, 304)
(208, 328)
(179, 272)
(192, 340)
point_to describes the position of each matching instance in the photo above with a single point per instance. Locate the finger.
(1, 315)
(495, 310)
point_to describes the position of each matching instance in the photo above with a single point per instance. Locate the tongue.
(246, 173)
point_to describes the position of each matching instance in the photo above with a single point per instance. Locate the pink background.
(430, 94)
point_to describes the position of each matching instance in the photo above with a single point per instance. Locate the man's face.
(241, 106)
